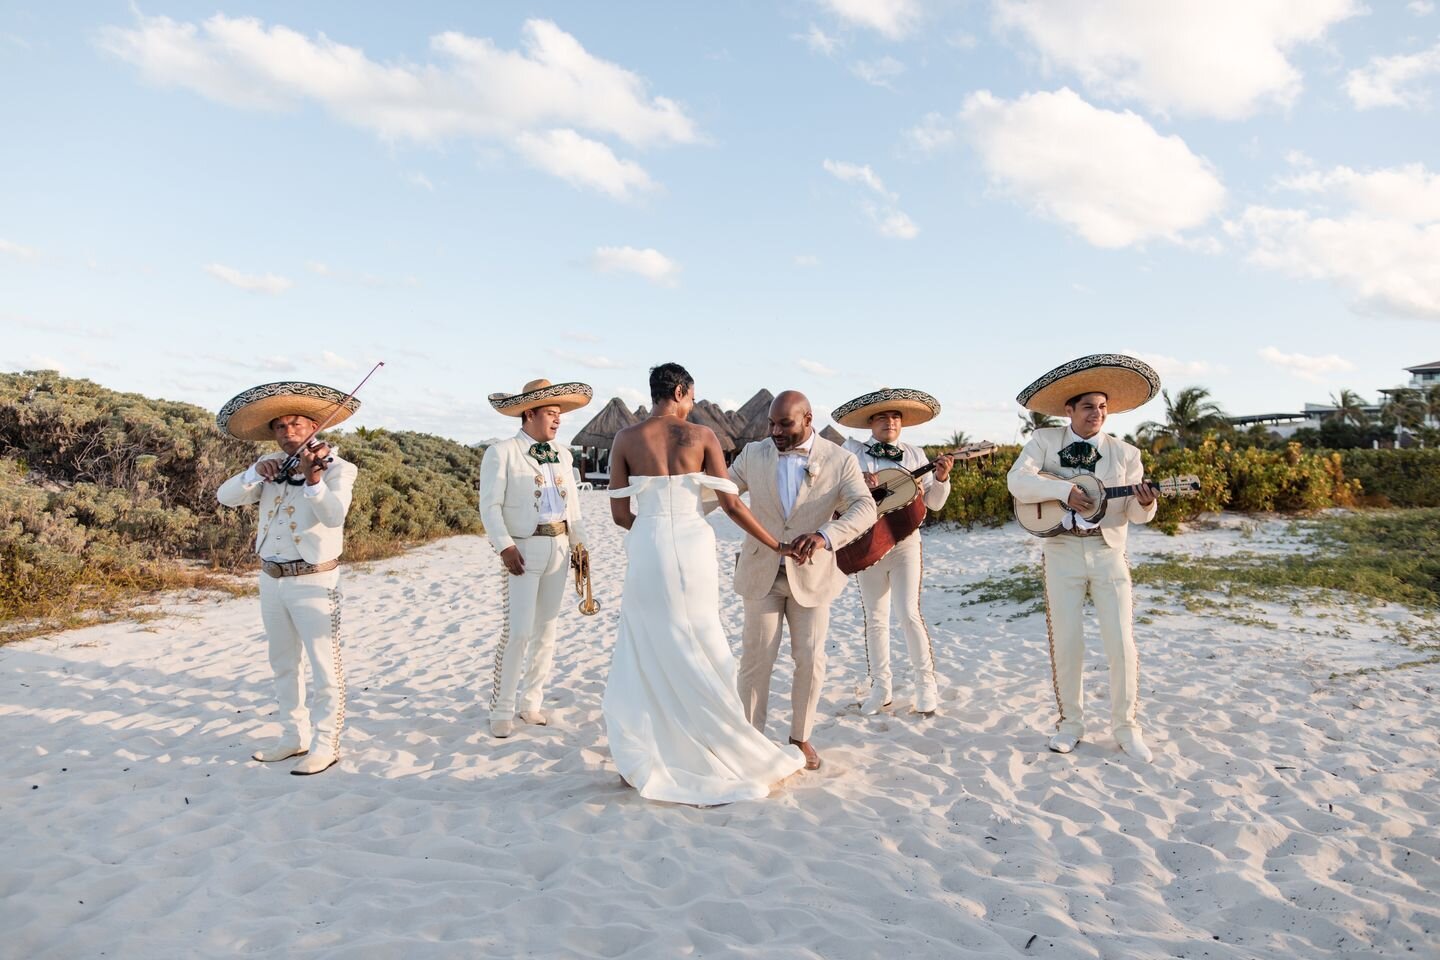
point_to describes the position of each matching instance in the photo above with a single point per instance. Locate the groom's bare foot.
(812, 759)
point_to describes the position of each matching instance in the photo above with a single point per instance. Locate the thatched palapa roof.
(756, 417)
(600, 431)
(708, 414)
(833, 435)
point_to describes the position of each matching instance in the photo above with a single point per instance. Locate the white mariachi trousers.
(527, 645)
(304, 613)
(1074, 565)
(895, 578)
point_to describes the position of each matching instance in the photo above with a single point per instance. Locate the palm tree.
(1404, 410)
(958, 439)
(1349, 408)
(1188, 417)
(1032, 421)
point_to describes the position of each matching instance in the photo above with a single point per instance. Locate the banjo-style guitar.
(1046, 518)
(899, 508)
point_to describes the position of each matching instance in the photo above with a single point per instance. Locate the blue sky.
(829, 195)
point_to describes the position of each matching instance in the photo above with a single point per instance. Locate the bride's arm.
(620, 510)
(731, 503)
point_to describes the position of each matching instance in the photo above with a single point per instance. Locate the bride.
(677, 730)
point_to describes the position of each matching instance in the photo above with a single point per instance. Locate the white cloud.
(889, 220)
(1388, 265)
(634, 399)
(1298, 158)
(19, 251)
(1398, 81)
(532, 100)
(806, 260)
(815, 367)
(333, 361)
(1221, 58)
(593, 361)
(1421, 8)
(269, 283)
(1410, 194)
(1174, 367)
(1382, 246)
(1109, 176)
(420, 180)
(316, 267)
(583, 162)
(1313, 369)
(879, 72)
(933, 132)
(820, 41)
(892, 19)
(648, 263)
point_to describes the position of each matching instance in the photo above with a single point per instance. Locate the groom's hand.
(806, 546)
(514, 563)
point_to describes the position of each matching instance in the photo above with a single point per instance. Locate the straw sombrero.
(1126, 382)
(542, 393)
(915, 406)
(248, 415)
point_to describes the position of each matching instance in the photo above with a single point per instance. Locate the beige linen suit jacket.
(319, 532)
(508, 505)
(832, 484)
(1119, 466)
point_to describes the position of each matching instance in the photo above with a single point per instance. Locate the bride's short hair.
(665, 378)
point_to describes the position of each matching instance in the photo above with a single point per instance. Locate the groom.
(798, 482)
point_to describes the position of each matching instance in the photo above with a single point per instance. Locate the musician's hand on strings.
(312, 459)
(942, 467)
(870, 479)
(514, 563)
(1079, 500)
(267, 469)
(1145, 494)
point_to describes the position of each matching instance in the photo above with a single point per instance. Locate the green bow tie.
(1080, 456)
(885, 451)
(544, 453)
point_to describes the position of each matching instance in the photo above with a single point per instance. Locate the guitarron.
(1046, 518)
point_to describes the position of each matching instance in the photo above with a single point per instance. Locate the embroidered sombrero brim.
(914, 406)
(248, 415)
(542, 393)
(1126, 382)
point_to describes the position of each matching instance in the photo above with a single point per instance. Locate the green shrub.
(1403, 478)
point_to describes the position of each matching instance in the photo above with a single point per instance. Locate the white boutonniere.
(809, 472)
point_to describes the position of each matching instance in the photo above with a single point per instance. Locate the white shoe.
(1064, 742)
(927, 699)
(537, 717)
(502, 728)
(282, 750)
(1134, 744)
(315, 763)
(877, 701)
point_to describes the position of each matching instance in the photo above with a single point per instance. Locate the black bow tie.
(1080, 456)
(885, 451)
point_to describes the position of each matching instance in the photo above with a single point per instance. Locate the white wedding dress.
(677, 729)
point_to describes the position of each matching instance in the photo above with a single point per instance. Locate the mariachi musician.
(898, 574)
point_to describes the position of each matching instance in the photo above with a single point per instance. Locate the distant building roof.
(1266, 418)
(1425, 368)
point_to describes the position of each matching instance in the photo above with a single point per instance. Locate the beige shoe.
(1063, 742)
(1134, 744)
(502, 728)
(927, 699)
(283, 750)
(536, 717)
(314, 763)
(877, 701)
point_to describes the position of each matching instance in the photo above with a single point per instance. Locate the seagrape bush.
(1399, 478)
(1251, 480)
(104, 493)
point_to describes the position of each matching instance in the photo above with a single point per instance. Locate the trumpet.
(580, 563)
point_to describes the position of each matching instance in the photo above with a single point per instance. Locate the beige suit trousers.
(764, 620)
(1073, 566)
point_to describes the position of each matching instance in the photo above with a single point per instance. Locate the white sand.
(1287, 814)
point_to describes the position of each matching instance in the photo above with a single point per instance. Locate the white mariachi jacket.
(314, 524)
(911, 458)
(1119, 466)
(509, 507)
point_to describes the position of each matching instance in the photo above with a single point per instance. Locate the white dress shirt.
(790, 473)
(1072, 520)
(552, 505)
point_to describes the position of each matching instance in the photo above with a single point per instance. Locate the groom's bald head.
(790, 417)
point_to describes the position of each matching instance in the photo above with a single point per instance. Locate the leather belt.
(559, 528)
(296, 568)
